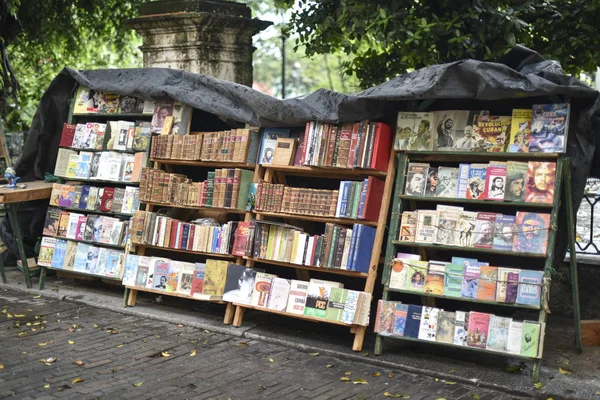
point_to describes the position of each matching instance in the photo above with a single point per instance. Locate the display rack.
(403, 202)
(277, 173)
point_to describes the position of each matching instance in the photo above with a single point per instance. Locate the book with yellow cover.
(214, 278)
(434, 281)
(520, 131)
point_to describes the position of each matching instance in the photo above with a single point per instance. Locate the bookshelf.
(277, 174)
(403, 202)
(101, 137)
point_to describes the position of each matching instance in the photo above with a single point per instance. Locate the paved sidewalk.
(133, 357)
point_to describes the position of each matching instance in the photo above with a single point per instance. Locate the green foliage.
(80, 34)
(390, 37)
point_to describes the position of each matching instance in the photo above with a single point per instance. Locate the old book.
(62, 162)
(408, 226)
(416, 179)
(426, 226)
(478, 332)
(484, 230)
(279, 293)
(384, 321)
(317, 297)
(529, 287)
(262, 288)
(470, 281)
(86, 101)
(429, 321)
(398, 272)
(531, 234)
(297, 298)
(520, 131)
(198, 280)
(445, 327)
(446, 232)
(495, 182)
(413, 321)
(434, 281)
(463, 181)
(416, 273)
(541, 182)
(239, 284)
(486, 288)
(453, 280)
(530, 338)
(498, 336)
(414, 131)
(491, 132)
(215, 277)
(46, 251)
(447, 182)
(515, 335)
(465, 226)
(432, 181)
(51, 222)
(285, 149)
(461, 326)
(400, 315)
(476, 181)
(549, 128)
(516, 181)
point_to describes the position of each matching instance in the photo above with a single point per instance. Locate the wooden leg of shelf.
(42, 278)
(590, 332)
(537, 366)
(229, 312)
(125, 296)
(131, 298)
(239, 316)
(353, 329)
(378, 345)
(359, 338)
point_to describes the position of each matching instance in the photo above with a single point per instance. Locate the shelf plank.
(287, 314)
(464, 299)
(427, 342)
(99, 181)
(227, 210)
(319, 269)
(193, 163)
(219, 255)
(103, 150)
(70, 271)
(316, 218)
(173, 294)
(471, 201)
(83, 210)
(112, 115)
(469, 156)
(325, 172)
(468, 249)
(112, 246)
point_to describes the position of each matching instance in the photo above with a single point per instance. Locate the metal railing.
(587, 225)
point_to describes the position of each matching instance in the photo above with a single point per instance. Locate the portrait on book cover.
(540, 186)
(532, 232)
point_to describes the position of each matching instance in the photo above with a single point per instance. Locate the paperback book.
(549, 128)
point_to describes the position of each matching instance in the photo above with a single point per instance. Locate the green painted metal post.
(14, 224)
(42, 282)
(2, 269)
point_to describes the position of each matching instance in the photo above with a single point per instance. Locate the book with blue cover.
(60, 249)
(112, 262)
(81, 256)
(400, 315)
(476, 181)
(131, 264)
(361, 257)
(268, 144)
(92, 259)
(413, 321)
(498, 335)
(453, 280)
(530, 287)
(549, 128)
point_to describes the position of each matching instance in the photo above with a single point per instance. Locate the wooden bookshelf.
(99, 244)
(217, 209)
(468, 249)
(218, 255)
(323, 172)
(134, 289)
(316, 218)
(286, 314)
(103, 150)
(86, 211)
(203, 164)
(519, 204)
(336, 271)
(119, 183)
(461, 156)
(70, 271)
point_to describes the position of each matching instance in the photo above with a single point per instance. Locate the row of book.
(235, 145)
(527, 232)
(509, 181)
(114, 135)
(466, 278)
(89, 101)
(106, 165)
(224, 188)
(338, 247)
(461, 328)
(361, 144)
(81, 257)
(157, 230)
(541, 129)
(92, 198)
(91, 228)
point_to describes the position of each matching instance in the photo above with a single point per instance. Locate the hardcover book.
(520, 131)
(445, 327)
(416, 179)
(479, 326)
(413, 321)
(549, 128)
(541, 179)
(530, 287)
(516, 181)
(531, 232)
(484, 230)
(269, 143)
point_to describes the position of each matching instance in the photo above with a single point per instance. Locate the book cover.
(130, 272)
(198, 279)
(529, 287)
(62, 161)
(161, 273)
(498, 337)
(262, 287)
(416, 179)
(429, 321)
(432, 182)
(447, 183)
(352, 307)
(470, 281)
(335, 304)
(405, 130)
(108, 103)
(239, 284)
(426, 226)
(512, 286)
(400, 315)
(541, 178)
(434, 281)
(173, 276)
(269, 142)
(72, 166)
(464, 134)
(502, 286)
(531, 234)
(515, 335)
(465, 225)
(491, 132)
(520, 131)
(80, 231)
(130, 105)
(162, 110)
(445, 134)
(479, 326)
(453, 280)
(51, 222)
(461, 327)
(484, 230)
(80, 136)
(68, 132)
(279, 293)
(80, 257)
(297, 298)
(384, 321)
(549, 128)
(516, 181)
(416, 131)
(495, 182)
(72, 225)
(446, 224)
(463, 181)
(530, 338)
(106, 201)
(486, 289)
(476, 181)
(445, 327)
(143, 271)
(92, 259)
(240, 239)
(46, 251)
(86, 101)
(504, 232)
(317, 297)
(416, 273)
(413, 321)
(398, 272)
(408, 226)
(63, 224)
(186, 278)
(69, 258)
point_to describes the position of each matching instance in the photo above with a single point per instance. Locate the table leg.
(14, 224)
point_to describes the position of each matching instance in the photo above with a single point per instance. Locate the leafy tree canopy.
(391, 37)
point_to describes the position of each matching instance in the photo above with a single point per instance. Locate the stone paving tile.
(221, 368)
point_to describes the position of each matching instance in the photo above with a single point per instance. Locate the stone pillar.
(209, 37)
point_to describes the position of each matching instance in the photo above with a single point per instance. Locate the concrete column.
(208, 37)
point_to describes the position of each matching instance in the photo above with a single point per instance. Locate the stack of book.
(339, 247)
(235, 145)
(224, 188)
(82, 227)
(541, 129)
(461, 328)
(114, 135)
(509, 181)
(152, 229)
(527, 232)
(106, 165)
(466, 278)
(92, 198)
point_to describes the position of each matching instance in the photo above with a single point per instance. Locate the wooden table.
(36, 190)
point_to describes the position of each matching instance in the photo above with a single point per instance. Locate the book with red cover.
(68, 132)
(343, 145)
(240, 239)
(107, 199)
(353, 144)
(373, 199)
(198, 279)
(303, 145)
(488, 281)
(381, 147)
(479, 326)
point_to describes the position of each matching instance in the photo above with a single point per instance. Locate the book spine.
(363, 196)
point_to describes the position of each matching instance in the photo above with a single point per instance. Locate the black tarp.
(510, 83)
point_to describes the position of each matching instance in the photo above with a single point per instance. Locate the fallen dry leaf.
(120, 345)
(77, 380)
(22, 334)
(538, 385)
(564, 371)
(78, 362)
(449, 383)
(347, 373)
(179, 325)
(138, 384)
(193, 353)
(9, 315)
(96, 326)
(329, 366)
(165, 354)
(1, 366)
(271, 360)
(313, 354)
(43, 344)
(20, 315)
(390, 375)
(376, 374)
(261, 387)
(360, 381)
(344, 379)
(46, 386)
(37, 297)
(396, 395)
(71, 342)
(476, 397)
